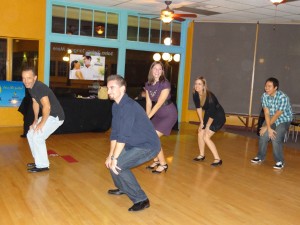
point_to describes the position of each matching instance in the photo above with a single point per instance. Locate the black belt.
(167, 102)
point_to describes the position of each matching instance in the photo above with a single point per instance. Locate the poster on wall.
(86, 67)
(11, 93)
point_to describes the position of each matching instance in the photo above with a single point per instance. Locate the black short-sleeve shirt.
(40, 90)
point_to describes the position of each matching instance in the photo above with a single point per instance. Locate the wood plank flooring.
(189, 193)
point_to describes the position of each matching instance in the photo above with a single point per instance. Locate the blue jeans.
(37, 141)
(125, 180)
(277, 143)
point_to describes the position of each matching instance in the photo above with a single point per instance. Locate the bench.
(245, 119)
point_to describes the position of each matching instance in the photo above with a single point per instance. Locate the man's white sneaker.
(278, 166)
(256, 160)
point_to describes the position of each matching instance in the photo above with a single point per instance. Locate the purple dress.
(166, 116)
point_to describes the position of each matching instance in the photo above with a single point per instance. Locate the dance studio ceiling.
(229, 11)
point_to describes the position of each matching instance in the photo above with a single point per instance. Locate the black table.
(85, 115)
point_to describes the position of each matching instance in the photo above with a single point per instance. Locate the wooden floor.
(189, 193)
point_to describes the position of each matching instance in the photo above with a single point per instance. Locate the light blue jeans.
(37, 141)
(277, 143)
(125, 180)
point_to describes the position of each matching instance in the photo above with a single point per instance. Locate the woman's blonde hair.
(206, 92)
(150, 74)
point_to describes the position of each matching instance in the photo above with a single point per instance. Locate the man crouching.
(133, 142)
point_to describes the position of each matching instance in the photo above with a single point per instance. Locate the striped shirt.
(279, 102)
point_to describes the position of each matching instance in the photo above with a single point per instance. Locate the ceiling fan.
(167, 14)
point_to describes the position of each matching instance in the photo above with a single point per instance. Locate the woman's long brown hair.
(150, 74)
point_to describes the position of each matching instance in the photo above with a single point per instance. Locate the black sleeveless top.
(212, 109)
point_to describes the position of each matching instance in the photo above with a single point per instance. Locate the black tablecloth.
(85, 115)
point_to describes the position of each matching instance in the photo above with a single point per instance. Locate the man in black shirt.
(42, 127)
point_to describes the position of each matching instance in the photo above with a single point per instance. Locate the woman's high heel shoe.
(153, 165)
(199, 158)
(219, 163)
(165, 168)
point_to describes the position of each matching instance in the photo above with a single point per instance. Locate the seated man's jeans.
(277, 143)
(125, 180)
(37, 141)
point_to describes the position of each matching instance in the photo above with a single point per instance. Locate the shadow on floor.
(247, 133)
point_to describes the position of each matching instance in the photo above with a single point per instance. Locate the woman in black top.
(214, 119)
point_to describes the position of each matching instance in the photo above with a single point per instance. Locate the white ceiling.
(245, 11)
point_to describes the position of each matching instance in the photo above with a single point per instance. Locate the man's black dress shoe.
(29, 165)
(36, 170)
(115, 192)
(140, 205)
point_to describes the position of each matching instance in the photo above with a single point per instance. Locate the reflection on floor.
(190, 192)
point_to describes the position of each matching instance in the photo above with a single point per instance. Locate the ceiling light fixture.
(166, 18)
(156, 57)
(166, 15)
(167, 12)
(276, 2)
(166, 56)
(167, 41)
(66, 58)
(99, 30)
(176, 57)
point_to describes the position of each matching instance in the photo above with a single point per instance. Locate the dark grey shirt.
(131, 125)
(40, 90)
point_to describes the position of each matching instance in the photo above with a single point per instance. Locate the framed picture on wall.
(87, 67)
(11, 93)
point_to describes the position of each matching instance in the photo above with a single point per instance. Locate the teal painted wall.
(120, 43)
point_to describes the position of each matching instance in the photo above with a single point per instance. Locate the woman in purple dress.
(160, 109)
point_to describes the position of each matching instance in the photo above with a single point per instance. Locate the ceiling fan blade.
(148, 14)
(185, 15)
(179, 19)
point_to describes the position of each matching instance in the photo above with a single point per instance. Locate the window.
(141, 28)
(3, 49)
(166, 32)
(155, 31)
(73, 21)
(99, 24)
(86, 26)
(112, 25)
(84, 22)
(53, 68)
(25, 53)
(58, 19)
(176, 31)
(144, 29)
(62, 68)
(132, 28)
